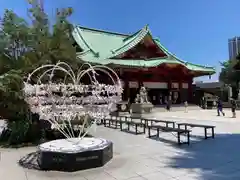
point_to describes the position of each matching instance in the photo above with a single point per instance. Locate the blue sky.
(195, 30)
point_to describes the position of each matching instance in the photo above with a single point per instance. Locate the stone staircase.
(178, 107)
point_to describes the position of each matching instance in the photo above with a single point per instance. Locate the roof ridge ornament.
(96, 54)
(146, 26)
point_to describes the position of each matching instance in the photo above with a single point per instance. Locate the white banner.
(133, 84)
(185, 85)
(155, 85)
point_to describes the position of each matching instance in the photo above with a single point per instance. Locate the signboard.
(175, 85)
(155, 85)
(133, 84)
(185, 85)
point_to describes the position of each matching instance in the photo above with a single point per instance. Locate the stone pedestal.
(140, 108)
(95, 154)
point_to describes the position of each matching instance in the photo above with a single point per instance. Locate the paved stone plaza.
(139, 158)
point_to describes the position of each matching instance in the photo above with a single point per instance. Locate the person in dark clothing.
(168, 103)
(220, 107)
(234, 106)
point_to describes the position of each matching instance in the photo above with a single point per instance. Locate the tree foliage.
(24, 47)
(230, 75)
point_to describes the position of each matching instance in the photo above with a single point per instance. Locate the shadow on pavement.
(29, 161)
(215, 159)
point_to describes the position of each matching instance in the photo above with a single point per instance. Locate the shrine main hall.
(140, 60)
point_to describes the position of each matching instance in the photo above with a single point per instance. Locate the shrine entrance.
(132, 94)
(158, 96)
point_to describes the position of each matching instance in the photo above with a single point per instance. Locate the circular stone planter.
(74, 154)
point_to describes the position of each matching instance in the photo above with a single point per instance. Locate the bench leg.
(188, 137)
(213, 134)
(179, 126)
(173, 125)
(167, 124)
(147, 123)
(205, 133)
(178, 137)
(136, 131)
(149, 132)
(128, 127)
(109, 123)
(121, 128)
(144, 128)
(158, 132)
(119, 123)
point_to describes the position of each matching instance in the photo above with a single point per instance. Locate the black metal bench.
(121, 118)
(112, 123)
(166, 122)
(135, 125)
(170, 129)
(206, 127)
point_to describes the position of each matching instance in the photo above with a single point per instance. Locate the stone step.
(175, 108)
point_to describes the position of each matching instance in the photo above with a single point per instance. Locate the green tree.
(230, 75)
(50, 44)
(13, 35)
(24, 47)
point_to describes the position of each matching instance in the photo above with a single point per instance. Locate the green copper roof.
(100, 47)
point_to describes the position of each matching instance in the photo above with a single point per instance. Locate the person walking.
(234, 106)
(168, 103)
(186, 106)
(220, 107)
